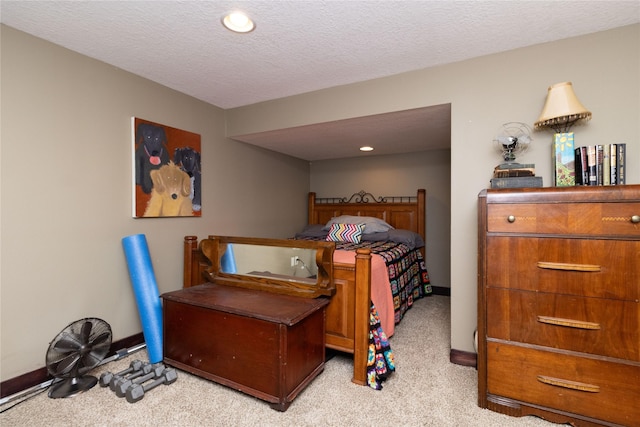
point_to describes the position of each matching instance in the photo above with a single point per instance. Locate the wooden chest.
(559, 303)
(267, 345)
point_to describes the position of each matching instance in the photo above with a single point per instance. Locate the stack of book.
(601, 164)
(515, 175)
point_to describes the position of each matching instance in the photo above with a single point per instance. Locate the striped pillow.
(345, 233)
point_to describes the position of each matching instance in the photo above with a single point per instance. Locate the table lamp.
(561, 111)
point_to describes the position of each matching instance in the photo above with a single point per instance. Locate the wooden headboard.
(403, 212)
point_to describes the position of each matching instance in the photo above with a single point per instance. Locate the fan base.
(72, 386)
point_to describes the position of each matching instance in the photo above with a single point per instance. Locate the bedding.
(381, 296)
(407, 272)
(398, 278)
(411, 239)
(372, 225)
(380, 360)
(345, 232)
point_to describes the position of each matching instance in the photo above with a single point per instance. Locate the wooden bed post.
(311, 208)
(190, 245)
(362, 313)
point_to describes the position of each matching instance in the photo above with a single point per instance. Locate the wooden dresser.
(558, 303)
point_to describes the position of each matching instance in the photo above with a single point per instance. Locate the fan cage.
(509, 152)
(78, 348)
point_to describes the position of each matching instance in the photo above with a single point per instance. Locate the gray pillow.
(311, 231)
(409, 238)
(371, 224)
(376, 237)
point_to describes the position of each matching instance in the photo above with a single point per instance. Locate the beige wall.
(66, 193)
(65, 168)
(400, 174)
(485, 93)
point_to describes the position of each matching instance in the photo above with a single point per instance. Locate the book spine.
(517, 182)
(599, 164)
(592, 165)
(613, 155)
(578, 154)
(606, 165)
(585, 167)
(622, 163)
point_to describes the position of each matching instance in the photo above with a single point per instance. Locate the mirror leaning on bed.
(288, 263)
(295, 267)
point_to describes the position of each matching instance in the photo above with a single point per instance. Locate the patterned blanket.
(407, 272)
(409, 281)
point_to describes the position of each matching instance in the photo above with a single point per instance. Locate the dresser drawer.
(597, 326)
(595, 388)
(592, 268)
(589, 219)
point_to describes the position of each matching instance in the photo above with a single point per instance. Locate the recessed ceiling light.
(238, 22)
(366, 148)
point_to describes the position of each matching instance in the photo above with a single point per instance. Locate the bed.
(357, 271)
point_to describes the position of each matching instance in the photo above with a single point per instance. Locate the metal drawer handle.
(570, 323)
(635, 219)
(511, 218)
(569, 267)
(573, 385)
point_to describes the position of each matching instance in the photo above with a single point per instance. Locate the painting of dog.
(189, 161)
(170, 192)
(155, 146)
(151, 153)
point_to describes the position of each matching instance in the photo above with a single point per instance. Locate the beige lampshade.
(562, 108)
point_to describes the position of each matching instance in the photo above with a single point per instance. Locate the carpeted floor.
(426, 390)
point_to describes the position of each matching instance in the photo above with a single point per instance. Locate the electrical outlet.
(294, 261)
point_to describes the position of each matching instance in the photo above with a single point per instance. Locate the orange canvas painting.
(167, 171)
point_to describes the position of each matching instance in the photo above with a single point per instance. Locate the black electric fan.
(76, 350)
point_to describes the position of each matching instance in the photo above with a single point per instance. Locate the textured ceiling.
(406, 131)
(300, 46)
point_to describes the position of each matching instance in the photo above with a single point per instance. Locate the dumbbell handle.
(158, 381)
(137, 391)
(106, 377)
(122, 386)
(119, 378)
(133, 366)
(147, 377)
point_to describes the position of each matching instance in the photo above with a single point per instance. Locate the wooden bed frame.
(347, 315)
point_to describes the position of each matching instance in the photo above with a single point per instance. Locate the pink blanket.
(380, 287)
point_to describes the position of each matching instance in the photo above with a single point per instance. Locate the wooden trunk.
(267, 345)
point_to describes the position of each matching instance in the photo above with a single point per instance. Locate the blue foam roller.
(228, 261)
(145, 288)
